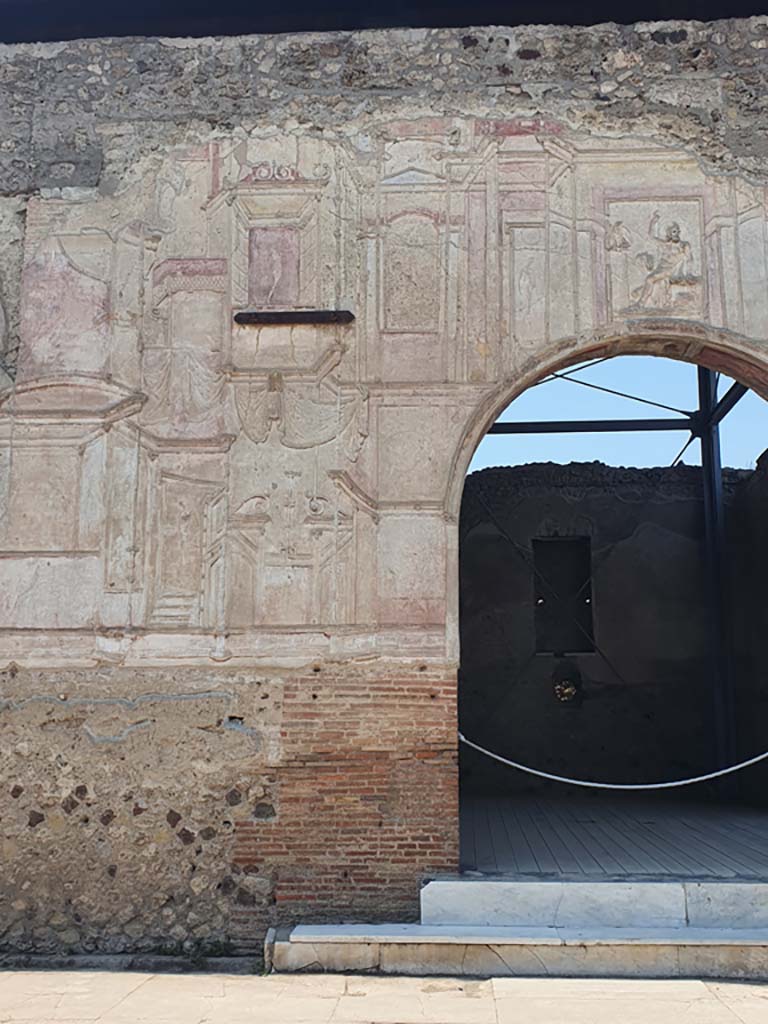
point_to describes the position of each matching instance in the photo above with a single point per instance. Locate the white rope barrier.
(613, 785)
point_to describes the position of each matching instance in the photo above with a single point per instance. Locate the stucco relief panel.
(65, 312)
(412, 553)
(182, 371)
(184, 474)
(295, 527)
(655, 261)
(417, 436)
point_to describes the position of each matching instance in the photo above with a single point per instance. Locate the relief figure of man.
(671, 265)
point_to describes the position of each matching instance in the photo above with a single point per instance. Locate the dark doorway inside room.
(612, 617)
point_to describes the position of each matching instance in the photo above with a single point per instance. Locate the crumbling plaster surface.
(189, 507)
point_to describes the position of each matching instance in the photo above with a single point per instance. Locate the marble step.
(503, 951)
(681, 903)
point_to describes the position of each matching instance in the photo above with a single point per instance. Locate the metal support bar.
(734, 393)
(714, 539)
(590, 426)
(618, 394)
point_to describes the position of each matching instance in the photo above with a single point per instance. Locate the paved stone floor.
(121, 998)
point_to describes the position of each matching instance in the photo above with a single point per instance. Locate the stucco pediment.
(70, 398)
(251, 480)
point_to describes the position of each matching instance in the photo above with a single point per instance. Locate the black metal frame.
(591, 426)
(704, 424)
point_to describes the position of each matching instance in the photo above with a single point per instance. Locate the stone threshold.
(420, 950)
(526, 936)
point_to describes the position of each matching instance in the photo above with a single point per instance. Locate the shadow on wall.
(611, 683)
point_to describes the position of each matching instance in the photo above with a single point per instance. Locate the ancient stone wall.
(196, 515)
(186, 810)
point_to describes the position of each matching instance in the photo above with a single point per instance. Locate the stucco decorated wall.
(228, 555)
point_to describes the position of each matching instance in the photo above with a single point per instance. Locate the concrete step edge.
(539, 879)
(415, 934)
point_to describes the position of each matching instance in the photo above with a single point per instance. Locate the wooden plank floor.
(612, 838)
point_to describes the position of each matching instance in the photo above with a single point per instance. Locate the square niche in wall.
(563, 595)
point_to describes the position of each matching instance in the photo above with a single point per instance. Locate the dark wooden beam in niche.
(295, 316)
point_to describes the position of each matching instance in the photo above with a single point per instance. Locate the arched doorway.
(610, 624)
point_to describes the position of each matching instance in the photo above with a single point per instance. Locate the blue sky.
(743, 434)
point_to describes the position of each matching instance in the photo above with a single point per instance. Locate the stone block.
(554, 904)
(739, 904)
(305, 956)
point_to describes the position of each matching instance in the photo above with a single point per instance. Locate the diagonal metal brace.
(734, 394)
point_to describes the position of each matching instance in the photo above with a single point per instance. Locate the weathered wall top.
(65, 107)
(575, 481)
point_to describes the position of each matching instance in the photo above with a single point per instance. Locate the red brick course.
(367, 798)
